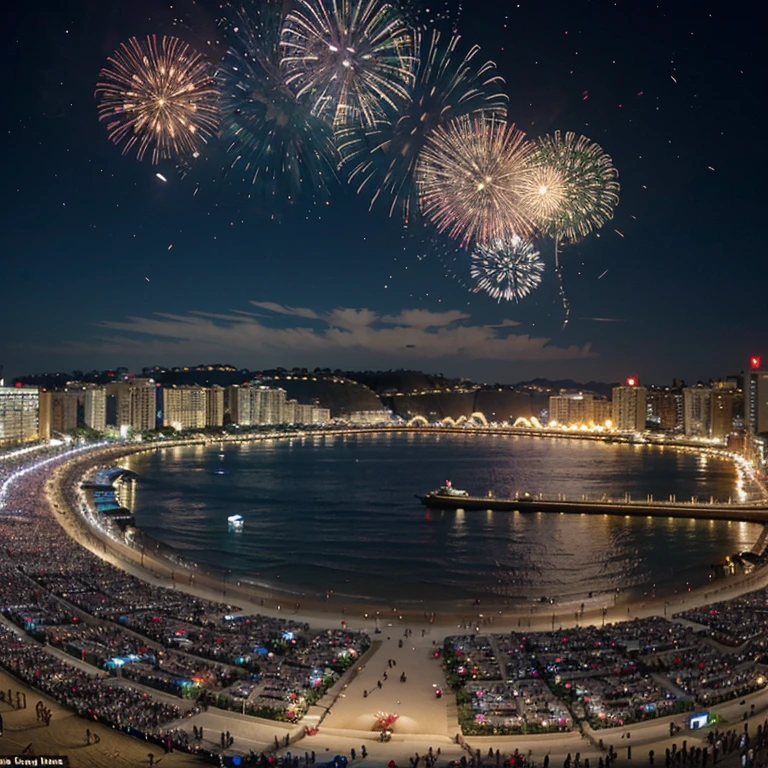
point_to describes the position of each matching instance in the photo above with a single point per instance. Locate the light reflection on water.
(339, 513)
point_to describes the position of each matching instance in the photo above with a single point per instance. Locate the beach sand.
(66, 735)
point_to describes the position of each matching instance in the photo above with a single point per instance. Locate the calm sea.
(340, 514)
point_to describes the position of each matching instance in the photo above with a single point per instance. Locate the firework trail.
(381, 160)
(158, 96)
(347, 60)
(507, 270)
(578, 190)
(469, 176)
(273, 139)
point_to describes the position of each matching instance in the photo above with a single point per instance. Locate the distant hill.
(497, 404)
(406, 381)
(598, 387)
(343, 396)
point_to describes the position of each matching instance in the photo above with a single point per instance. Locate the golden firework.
(161, 97)
(469, 178)
(543, 194)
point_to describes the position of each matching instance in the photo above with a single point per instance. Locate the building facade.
(184, 407)
(665, 408)
(95, 409)
(697, 403)
(132, 405)
(214, 406)
(629, 408)
(320, 415)
(579, 408)
(19, 408)
(64, 410)
(756, 399)
(256, 405)
(726, 409)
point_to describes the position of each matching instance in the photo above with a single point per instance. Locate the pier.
(694, 509)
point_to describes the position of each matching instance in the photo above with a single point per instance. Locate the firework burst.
(381, 160)
(275, 141)
(469, 178)
(584, 183)
(347, 59)
(507, 270)
(542, 193)
(158, 96)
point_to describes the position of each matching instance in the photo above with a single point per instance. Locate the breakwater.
(750, 513)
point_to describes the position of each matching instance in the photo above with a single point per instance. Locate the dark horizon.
(102, 376)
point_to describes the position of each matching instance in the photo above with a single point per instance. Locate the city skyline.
(110, 263)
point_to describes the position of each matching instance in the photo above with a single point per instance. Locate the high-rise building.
(214, 406)
(253, 405)
(44, 415)
(271, 406)
(579, 408)
(560, 409)
(602, 411)
(289, 412)
(233, 401)
(95, 408)
(184, 407)
(756, 398)
(19, 414)
(305, 414)
(132, 404)
(629, 407)
(320, 415)
(64, 410)
(665, 408)
(725, 406)
(697, 403)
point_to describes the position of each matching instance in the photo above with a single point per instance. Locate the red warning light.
(632, 381)
(754, 362)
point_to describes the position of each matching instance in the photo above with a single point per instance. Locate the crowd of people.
(610, 676)
(61, 595)
(734, 622)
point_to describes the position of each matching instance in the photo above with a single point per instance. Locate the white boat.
(235, 522)
(448, 490)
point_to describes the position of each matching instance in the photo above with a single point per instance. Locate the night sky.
(105, 265)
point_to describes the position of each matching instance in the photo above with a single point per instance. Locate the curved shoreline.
(178, 573)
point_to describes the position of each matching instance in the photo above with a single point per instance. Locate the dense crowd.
(87, 694)
(59, 594)
(62, 595)
(734, 622)
(610, 676)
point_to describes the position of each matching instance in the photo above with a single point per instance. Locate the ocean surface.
(338, 514)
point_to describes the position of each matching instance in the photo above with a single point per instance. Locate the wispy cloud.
(343, 336)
